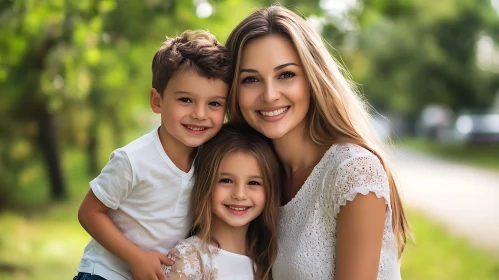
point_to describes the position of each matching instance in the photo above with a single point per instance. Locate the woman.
(341, 215)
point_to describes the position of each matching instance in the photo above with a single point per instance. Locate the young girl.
(235, 202)
(341, 215)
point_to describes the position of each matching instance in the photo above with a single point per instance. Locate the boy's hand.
(147, 266)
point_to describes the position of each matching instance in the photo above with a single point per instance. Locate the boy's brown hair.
(194, 49)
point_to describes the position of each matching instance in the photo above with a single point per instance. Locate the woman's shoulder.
(340, 154)
(352, 169)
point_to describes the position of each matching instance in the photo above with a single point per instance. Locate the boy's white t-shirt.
(149, 200)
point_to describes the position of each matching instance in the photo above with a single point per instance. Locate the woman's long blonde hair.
(261, 237)
(337, 114)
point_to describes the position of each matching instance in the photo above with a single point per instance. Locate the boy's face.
(192, 107)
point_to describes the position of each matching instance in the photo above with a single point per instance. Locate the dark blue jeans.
(87, 276)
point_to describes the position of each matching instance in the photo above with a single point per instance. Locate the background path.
(464, 199)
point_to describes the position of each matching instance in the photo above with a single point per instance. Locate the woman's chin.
(273, 133)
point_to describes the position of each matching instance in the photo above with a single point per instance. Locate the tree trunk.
(49, 146)
(93, 150)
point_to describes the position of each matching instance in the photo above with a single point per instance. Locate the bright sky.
(338, 7)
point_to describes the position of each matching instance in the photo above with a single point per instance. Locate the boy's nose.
(199, 113)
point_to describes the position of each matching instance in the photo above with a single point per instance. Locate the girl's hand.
(147, 266)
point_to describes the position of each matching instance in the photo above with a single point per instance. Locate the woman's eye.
(254, 183)
(225, 181)
(249, 80)
(185, 100)
(287, 75)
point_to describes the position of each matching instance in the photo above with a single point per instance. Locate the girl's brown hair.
(262, 232)
(337, 114)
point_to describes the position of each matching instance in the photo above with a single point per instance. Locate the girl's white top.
(194, 263)
(307, 225)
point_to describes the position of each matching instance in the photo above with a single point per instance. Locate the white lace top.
(192, 263)
(307, 226)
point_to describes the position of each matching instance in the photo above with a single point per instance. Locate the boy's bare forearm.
(93, 218)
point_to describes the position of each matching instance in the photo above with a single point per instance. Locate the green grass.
(486, 155)
(43, 240)
(436, 254)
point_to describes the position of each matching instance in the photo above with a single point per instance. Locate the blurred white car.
(478, 127)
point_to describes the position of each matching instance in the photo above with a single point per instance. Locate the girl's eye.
(185, 100)
(249, 80)
(225, 181)
(254, 183)
(287, 75)
(215, 104)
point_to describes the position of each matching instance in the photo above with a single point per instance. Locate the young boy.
(137, 208)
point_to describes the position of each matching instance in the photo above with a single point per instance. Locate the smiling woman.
(341, 216)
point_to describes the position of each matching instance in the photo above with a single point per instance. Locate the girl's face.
(239, 195)
(274, 93)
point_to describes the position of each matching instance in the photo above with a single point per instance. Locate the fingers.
(161, 275)
(165, 260)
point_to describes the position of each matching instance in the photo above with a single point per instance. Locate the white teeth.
(274, 113)
(196, 128)
(238, 208)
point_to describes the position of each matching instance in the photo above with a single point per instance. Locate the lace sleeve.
(187, 263)
(362, 174)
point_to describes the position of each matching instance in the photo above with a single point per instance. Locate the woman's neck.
(231, 239)
(297, 151)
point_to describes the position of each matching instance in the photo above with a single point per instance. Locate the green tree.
(412, 53)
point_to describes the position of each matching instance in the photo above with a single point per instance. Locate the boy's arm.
(94, 219)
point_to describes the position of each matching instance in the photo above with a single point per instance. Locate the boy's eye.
(225, 181)
(249, 80)
(215, 104)
(287, 75)
(254, 183)
(185, 100)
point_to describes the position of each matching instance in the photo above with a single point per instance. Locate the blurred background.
(74, 83)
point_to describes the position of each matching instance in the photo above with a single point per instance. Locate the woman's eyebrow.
(277, 68)
(285, 65)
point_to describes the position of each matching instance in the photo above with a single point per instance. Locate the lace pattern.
(307, 227)
(190, 262)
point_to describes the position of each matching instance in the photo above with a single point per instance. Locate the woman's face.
(274, 93)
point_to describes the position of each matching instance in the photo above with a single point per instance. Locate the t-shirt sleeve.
(360, 175)
(187, 263)
(115, 182)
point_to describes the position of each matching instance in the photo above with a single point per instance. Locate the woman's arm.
(359, 235)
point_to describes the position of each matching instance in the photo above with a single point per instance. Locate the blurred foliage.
(75, 73)
(408, 54)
